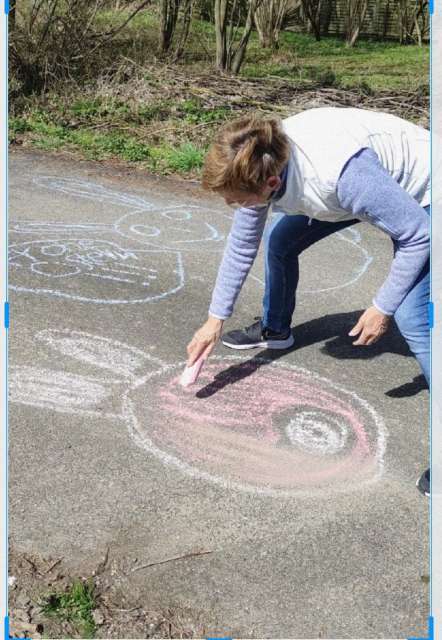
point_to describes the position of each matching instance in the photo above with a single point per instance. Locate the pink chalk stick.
(190, 374)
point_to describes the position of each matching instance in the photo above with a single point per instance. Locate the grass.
(163, 117)
(378, 65)
(300, 58)
(74, 606)
(165, 159)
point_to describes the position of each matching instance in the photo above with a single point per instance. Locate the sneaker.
(423, 483)
(257, 336)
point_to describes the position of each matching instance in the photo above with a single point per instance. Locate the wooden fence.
(382, 20)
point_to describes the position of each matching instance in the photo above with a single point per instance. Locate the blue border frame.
(431, 323)
(430, 630)
(6, 326)
(6, 320)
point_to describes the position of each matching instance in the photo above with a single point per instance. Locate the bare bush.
(168, 20)
(413, 22)
(56, 40)
(270, 18)
(312, 12)
(354, 16)
(171, 13)
(186, 19)
(230, 48)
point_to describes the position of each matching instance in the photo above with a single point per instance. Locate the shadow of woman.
(332, 330)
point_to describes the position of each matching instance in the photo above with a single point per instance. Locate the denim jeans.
(287, 236)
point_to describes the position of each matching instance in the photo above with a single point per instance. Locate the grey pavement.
(296, 470)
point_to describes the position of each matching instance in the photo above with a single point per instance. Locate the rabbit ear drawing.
(59, 391)
(59, 228)
(125, 362)
(92, 191)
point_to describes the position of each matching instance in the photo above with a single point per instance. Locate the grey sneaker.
(423, 483)
(257, 336)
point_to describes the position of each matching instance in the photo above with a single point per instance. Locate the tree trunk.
(221, 34)
(187, 18)
(168, 20)
(355, 12)
(11, 17)
(312, 11)
(239, 55)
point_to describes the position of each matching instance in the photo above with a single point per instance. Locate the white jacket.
(324, 139)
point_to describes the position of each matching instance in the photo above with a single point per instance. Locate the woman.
(321, 170)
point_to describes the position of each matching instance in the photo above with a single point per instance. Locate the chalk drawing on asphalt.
(92, 191)
(59, 228)
(308, 435)
(81, 268)
(362, 261)
(197, 234)
(176, 228)
(181, 229)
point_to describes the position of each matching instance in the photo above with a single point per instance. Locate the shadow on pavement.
(409, 388)
(333, 330)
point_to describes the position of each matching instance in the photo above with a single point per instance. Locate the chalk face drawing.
(82, 269)
(174, 227)
(305, 435)
(93, 262)
(176, 230)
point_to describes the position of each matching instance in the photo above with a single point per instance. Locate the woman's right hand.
(204, 340)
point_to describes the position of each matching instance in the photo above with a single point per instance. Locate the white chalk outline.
(368, 259)
(298, 431)
(91, 191)
(147, 444)
(132, 234)
(127, 381)
(94, 191)
(178, 271)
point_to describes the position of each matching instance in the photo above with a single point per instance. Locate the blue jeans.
(285, 239)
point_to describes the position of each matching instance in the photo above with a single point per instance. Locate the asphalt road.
(296, 470)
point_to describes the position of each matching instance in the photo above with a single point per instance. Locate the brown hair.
(244, 154)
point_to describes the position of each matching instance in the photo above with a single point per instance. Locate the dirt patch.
(33, 581)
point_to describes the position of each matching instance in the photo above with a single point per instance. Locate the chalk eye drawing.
(81, 268)
(175, 227)
(178, 228)
(308, 435)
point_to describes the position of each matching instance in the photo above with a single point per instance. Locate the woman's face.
(244, 199)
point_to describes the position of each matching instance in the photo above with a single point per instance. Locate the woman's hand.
(204, 339)
(371, 326)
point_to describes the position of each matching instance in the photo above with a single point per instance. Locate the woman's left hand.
(371, 326)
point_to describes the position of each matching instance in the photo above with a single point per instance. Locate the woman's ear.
(274, 182)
